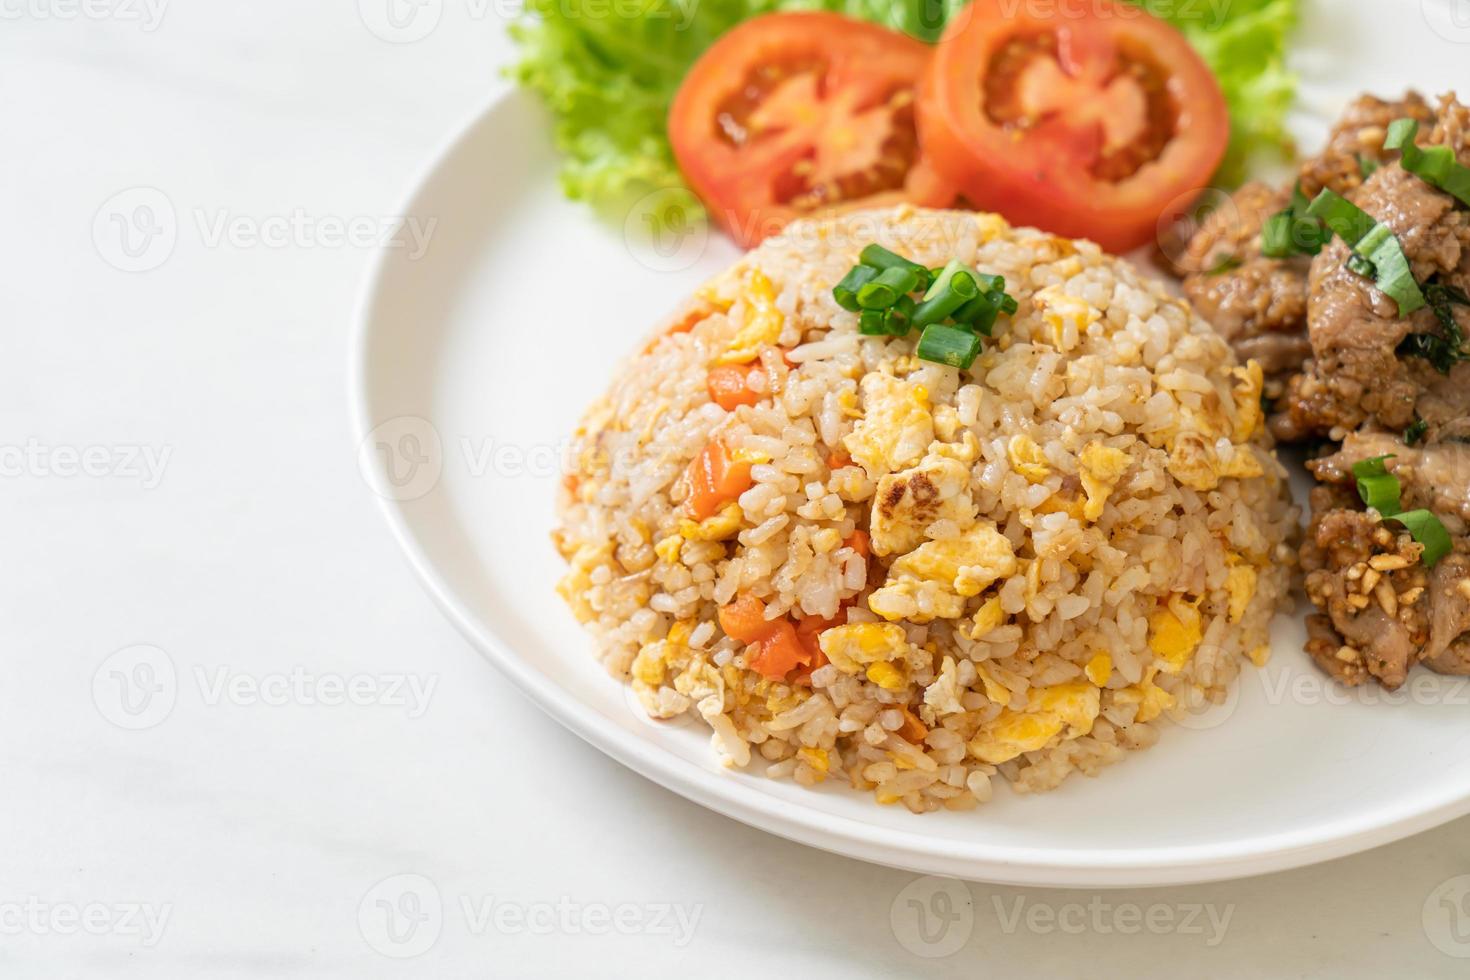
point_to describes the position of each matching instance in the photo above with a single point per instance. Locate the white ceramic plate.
(475, 359)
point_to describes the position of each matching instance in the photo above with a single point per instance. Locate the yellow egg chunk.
(763, 322)
(944, 574)
(909, 501)
(855, 646)
(896, 427)
(720, 527)
(1065, 710)
(1174, 632)
(1099, 669)
(1240, 584)
(1101, 468)
(1027, 459)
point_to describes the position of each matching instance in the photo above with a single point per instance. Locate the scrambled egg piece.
(1065, 710)
(1101, 468)
(947, 573)
(1240, 585)
(1151, 699)
(720, 527)
(1174, 632)
(908, 502)
(943, 695)
(994, 689)
(1027, 459)
(878, 651)
(1260, 655)
(1194, 462)
(896, 428)
(1060, 310)
(1099, 669)
(1248, 411)
(817, 759)
(763, 322)
(668, 549)
(574, 586)
(988, 617)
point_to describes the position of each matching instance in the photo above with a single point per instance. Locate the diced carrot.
(802, 676)
(683, 322)
(912, 729)
(808, 630)
(729, 386)
(837, 459)
(715, 479)
(779, 653)
(786, 358)
(745, 619)
(859, 541)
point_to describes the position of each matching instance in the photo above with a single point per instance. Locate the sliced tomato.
(1086, 120)
(793, 114)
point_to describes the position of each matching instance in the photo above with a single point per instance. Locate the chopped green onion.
(1227, 263)
(1434, 164)
(885, 290)
(845, 292)
(953, 289)
(948, 345)
(1374, 242)
(1360, 266)
(1377, 487)
(1432, 348)
(1441, 296)
(1415, 431)
(1380, 490)
(880, 258)
(1429, 531)
(1367, 166)
(898, 320)
(870, 323)
(1291, 231)
(942, 277)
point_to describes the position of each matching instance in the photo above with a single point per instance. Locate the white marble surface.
(218, 518)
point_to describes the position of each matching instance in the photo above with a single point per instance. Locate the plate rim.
(909, 850)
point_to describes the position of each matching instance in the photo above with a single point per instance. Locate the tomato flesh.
(795, 114)
(1087, 122)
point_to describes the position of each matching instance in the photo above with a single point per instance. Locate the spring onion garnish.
(1415, 431)
(880, 258)
(1291, 232)
(1380, 490)
(1367, 166)
(845, 292)
(1429, 531)
(1435, 164)
(880, 290)
(1377, 486)
(1374, 244)
(1228, 263)
(948, 345)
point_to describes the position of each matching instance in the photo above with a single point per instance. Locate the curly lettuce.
(608, 69)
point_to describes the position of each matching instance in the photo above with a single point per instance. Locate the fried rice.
(1017, 570)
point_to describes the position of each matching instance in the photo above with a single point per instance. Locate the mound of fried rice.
(1077, 537)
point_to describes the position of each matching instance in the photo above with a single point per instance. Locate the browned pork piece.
(1357, 373)
(1258, 304)
(1372, 388)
